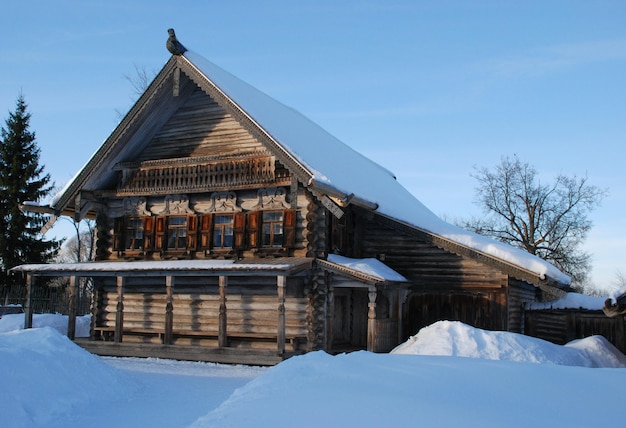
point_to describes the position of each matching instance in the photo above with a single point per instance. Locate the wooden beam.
(281, 280)
(28, 310)
(71, 319)
(176, 82)
(169, 310)
(222, 336)
(119, 313)
(371, 320)
(330, 315)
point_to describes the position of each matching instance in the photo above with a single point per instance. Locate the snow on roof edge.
(368, 266)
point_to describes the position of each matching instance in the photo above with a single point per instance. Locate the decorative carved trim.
(223, 202)
(136, 205)
(272, 198)
(178, 204)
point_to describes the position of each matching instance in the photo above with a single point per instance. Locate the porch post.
(371, 320)
(28, 310)
(330, 316)
(280, 335)
(222, 335)
(169, 310)
(71, 319)
(119, 314)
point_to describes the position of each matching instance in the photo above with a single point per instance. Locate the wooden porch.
(189, 311)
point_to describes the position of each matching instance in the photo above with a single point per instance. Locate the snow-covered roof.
(351, 173)
(570, 301)
(231, 267)
(369, 267)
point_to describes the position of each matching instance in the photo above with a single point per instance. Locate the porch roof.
(369, 271)
(249, 267)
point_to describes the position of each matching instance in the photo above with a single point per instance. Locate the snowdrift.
(56, 321)
(382, 390)
(45, 376)
(453, 338)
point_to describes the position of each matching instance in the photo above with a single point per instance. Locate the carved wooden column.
(222, 335)
(371, 320)
(330, 316)
(280, 336)
(119, 314)
(28, 310)
(71, 319)
(169, 310)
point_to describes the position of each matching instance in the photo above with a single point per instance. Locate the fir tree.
(21, 180)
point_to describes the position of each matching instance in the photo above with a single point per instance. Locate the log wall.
(200, 128)
(251, 311)
(563, 326)
(446, 286)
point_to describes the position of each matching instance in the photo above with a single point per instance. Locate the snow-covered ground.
(448, 375)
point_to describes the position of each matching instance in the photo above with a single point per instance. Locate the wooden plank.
(28, 309)
(119, 318)
(169, 310)
(71, 318)
(281, 280)
(222, 323)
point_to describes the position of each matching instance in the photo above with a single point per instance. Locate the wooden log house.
(227, 232)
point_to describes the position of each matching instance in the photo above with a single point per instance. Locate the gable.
(200, 128)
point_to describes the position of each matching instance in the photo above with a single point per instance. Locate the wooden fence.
(564, 325)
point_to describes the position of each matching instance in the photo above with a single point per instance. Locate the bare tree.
(139, 81)
(78, 249)
(547, 220)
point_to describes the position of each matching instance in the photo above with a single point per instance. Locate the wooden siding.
(519, 293)
(425, 265)
(200, 128)
(562, 326)
(251, 311)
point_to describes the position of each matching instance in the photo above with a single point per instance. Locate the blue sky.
(428, 89)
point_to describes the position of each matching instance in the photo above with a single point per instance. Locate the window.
(134, 234)
(223, 228)
(177, 233)
(272, 232)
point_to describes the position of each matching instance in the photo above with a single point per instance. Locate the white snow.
(371, 267)
(453, 376)
(169, 265)
(571, 301)
(456, 339)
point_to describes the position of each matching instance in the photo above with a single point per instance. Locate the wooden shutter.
(239, 230)
(118, 234)
(254, 229)
(148, 233)
(206, 229)
(192, 232)
(159, 233)
(289, 228)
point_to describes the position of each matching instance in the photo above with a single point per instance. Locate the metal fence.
(50, 298)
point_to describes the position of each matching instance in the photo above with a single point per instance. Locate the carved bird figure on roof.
(173, 45)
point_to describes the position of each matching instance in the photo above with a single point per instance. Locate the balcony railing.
(195, 175)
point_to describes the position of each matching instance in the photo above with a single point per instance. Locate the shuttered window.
(223, 231)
